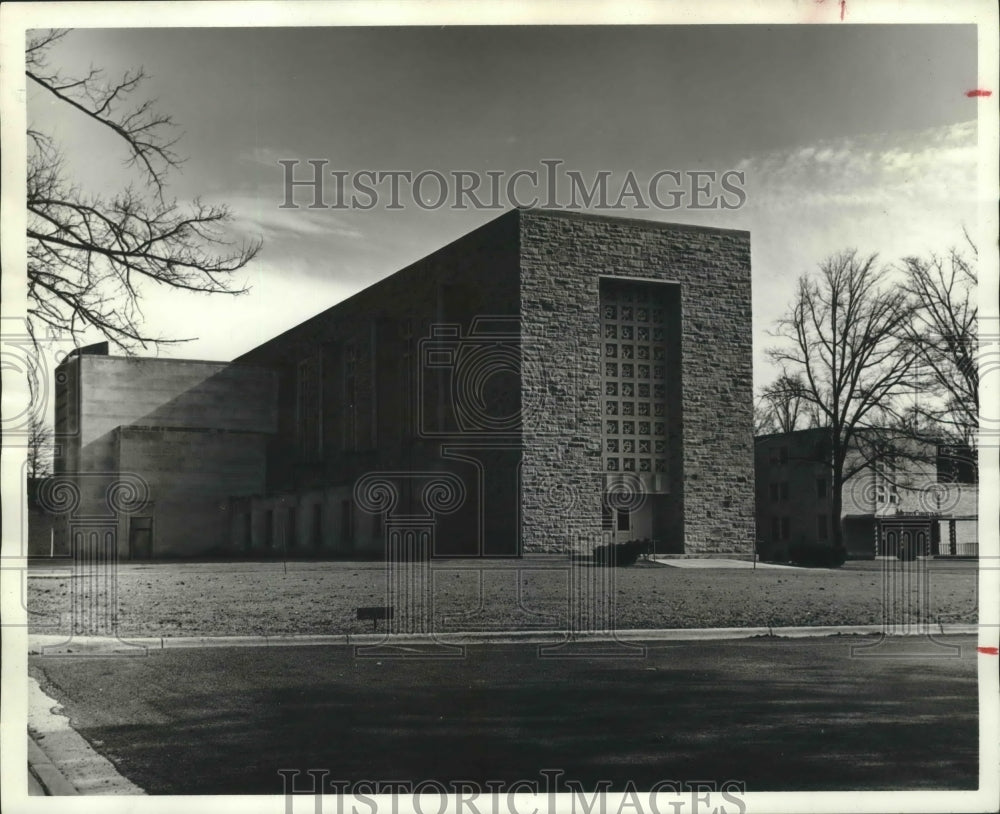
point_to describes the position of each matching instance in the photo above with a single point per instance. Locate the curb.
(49, 645)
(52, 781)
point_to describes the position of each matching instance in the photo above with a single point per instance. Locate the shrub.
(771, 552)
(817, 555)
(622, 553)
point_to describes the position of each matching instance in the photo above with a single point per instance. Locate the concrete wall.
(709, 506)
(191, 475)
(119, 391)
(197, 424)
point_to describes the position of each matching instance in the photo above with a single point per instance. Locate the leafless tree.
(90, 255)
(944, 335)
(784, 406)
(39, 448)
(39, 438)
(764, 422)
(843, 337)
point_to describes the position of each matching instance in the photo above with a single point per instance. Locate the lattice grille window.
(633, 327)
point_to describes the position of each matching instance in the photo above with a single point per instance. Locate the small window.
(775, 493)
(821, 528)
(784, 490)
(775, 529)
(821, 488)
(624, 520)
(785, 528)
(783, 455)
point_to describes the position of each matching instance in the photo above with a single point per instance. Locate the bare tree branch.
(844, 346)
(944, 336)
(90, 255)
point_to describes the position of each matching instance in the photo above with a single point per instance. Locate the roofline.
(574, 214)
(145, 359)
(514, 212)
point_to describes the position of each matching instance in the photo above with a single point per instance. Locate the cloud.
(877, 169)
(265, 156)
(266, 217)
(894, 194)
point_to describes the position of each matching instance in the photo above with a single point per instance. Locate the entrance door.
(140, 538)
(905, 537)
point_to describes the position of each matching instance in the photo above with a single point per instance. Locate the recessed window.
(269, 528)
(309, 409)
(624, 520)
(346, 521)
(821, 487)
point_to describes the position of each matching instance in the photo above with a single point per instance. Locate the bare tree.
(764, 422)
(843, 336)
(39, 448)
(944, 334)
(785, 402)
(89, 255)
(40, 437)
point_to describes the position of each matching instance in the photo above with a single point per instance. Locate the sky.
(849, 136)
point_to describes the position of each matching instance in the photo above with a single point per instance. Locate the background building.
(931, 488)
(541, 384)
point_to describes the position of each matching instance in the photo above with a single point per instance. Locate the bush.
(817, 555)
(622, 553)
(771, 552)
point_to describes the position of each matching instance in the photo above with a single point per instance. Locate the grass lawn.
(269, 598)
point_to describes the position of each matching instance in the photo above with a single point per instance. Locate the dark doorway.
(140, 538)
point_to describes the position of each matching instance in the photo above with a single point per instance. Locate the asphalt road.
(777, 714)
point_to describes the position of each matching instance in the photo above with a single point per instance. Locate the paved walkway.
(60, 762)
(709, 562)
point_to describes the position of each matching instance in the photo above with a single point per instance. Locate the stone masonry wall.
(563, 257)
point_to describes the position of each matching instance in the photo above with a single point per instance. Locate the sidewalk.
(56, 645)
(44, 777)
(711, 562)
(60, 762)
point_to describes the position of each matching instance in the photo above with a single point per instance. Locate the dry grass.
(185, 599)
